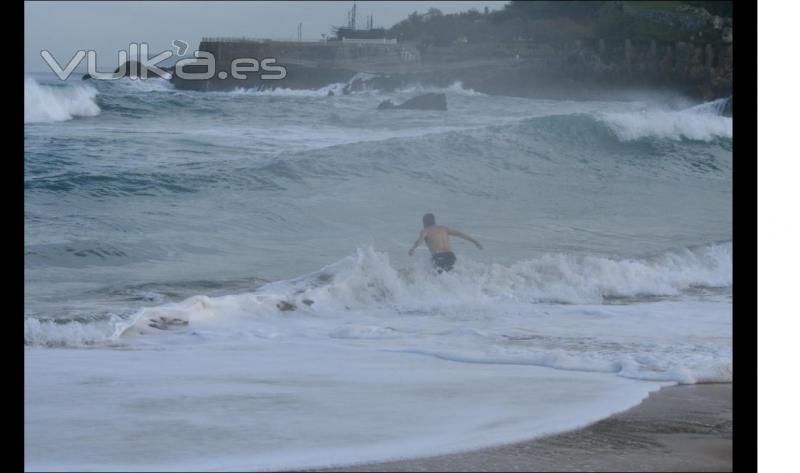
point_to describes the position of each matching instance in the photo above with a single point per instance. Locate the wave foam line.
(718, 369)
(456, 87)
(138, 84)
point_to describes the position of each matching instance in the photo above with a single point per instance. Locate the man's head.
(428, 220)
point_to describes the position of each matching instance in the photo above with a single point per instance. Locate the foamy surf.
(364, 297)
(48, 103)
(335, 88)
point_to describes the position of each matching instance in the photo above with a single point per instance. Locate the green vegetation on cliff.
(559, 21)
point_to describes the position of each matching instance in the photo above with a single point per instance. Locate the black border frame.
(744, 232)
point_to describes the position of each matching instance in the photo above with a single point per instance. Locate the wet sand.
(679, 428)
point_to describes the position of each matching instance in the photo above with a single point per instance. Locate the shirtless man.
(437, 237)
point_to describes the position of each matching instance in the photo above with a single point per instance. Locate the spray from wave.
(46, 104)
(703, 122)
(715, 107)
(456, 87)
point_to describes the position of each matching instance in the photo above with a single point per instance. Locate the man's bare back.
(437, 238)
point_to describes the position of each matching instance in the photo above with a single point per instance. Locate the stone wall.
(330, 54)
(700, 70)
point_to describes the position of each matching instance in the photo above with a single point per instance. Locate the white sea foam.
(47, 103)
(337, 88)
(699, 123)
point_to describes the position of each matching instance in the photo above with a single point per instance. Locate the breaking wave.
(367, 280)
(46, 104)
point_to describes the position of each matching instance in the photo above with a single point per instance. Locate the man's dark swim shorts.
(444, 260)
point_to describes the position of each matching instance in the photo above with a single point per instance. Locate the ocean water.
(164, 228)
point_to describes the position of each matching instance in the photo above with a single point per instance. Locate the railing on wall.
(246, 39)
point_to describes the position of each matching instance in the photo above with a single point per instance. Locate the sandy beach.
(679, 428)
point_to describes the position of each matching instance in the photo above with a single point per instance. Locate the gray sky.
(107, 27)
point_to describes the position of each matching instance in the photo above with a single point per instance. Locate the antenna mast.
(353, 16)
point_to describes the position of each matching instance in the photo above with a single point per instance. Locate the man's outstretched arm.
(460, 234)
(417, 243)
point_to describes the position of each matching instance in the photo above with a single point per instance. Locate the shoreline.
(678, 428)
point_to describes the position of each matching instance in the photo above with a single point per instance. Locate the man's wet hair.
(428, 220)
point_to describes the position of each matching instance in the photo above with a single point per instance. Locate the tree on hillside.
(715, 7)
(564, 21)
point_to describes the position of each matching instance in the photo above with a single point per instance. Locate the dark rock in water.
(131, 68)
(307, 301)
(425, 102)
(286, 306)
(163, 323)
(431, 101)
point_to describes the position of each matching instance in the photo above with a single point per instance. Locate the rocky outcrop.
(432, 101)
